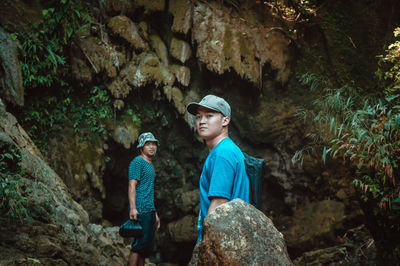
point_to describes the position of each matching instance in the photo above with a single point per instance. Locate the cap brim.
(192, 108)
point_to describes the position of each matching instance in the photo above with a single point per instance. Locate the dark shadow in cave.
(115, 205)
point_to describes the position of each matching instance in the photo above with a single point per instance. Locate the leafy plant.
(13, 204)
(44, 60)
(367, 135)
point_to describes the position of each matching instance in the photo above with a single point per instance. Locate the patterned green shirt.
(143, 171)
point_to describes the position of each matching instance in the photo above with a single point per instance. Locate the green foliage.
(90, 117)
(13, 205)
(389, 65)
(51, 103)
(364, 131)
(87, 115)
(44, 63)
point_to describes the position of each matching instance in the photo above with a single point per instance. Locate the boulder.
(58, 232)
(11, 83)
(236, 233)
(183, 230)
(187, 201)
(315, 225)
(356, 248)
(180, 50)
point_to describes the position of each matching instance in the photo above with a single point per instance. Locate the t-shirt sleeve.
(222, 177)
(134, 169)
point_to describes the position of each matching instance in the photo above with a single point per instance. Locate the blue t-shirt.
(143, 171)
(224, 175)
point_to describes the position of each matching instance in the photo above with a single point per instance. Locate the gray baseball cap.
(211, 102)
(144, 137)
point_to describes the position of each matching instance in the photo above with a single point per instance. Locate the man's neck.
(147, 158)
(215, 141)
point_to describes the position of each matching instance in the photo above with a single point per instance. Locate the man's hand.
(133, 214)
(158, 223)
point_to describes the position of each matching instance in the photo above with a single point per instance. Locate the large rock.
(12, 88)
(183, 230)
(187, 201)
(315, 225)
(236, 233)
(59, 232)
(356, 248)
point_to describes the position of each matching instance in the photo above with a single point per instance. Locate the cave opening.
(115, 180)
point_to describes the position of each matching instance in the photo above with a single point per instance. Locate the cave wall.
(156, 56)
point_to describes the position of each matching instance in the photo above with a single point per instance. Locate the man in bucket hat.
(141, 198)
(224, 175)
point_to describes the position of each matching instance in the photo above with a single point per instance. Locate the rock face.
(59, 232)
(236, 233)
(227, 40)
(315, 224)
(155, 57)
(355, 248)
(10, 72)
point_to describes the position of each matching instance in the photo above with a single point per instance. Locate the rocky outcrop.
(236, 233)
(183, 230)
(180, 50)
(127, 29)
(11, 83)
(227, 41)
(316, 224)
(92, 56)
(356, 248)
(58, 232)
(182, 10)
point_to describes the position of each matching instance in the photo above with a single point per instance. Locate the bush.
(13, 205)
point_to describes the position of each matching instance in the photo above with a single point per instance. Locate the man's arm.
(133, 213)
(215, 202)
(158, 223)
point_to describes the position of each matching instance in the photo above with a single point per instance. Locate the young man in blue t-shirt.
(224, 175)
(141, 198)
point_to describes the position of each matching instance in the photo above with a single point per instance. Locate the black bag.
(131, 228)
(255, 171)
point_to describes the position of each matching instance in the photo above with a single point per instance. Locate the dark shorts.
(145, 245)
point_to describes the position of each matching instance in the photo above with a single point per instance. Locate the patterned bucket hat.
(144, 137)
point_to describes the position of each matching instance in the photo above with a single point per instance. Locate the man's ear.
(225, 120)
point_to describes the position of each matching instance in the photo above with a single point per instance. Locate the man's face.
(210, 123)
(149, 148)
